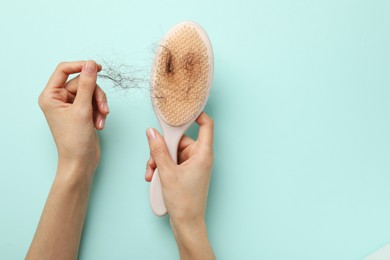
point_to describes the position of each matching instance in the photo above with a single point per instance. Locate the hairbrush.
(180, 83)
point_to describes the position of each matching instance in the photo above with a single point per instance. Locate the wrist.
(188, 224)
(82, 159)
(74, 171)
(191, 238)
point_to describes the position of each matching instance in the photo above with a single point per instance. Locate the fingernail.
(147, 174)
(90, 66)
(101, 123)
(106, 108)
(150, 134)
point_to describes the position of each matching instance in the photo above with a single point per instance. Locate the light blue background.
(302, 139)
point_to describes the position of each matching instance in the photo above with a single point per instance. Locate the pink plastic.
(173, 134)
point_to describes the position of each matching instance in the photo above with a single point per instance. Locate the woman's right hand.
(185, 186)
(74, 109)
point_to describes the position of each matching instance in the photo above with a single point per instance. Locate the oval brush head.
(180, 81)
(182, 74)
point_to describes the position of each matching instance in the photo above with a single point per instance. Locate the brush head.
(182, 74)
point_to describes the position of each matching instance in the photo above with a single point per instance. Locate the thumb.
(158, 150)
(87, 83)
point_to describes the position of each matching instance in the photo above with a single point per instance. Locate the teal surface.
(301, 102)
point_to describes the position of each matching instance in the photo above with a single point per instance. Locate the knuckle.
(207, 155)
(208, 152)
(83, 112)
(42, 101)
(207, 120)
(208, 160)
(85, 87)
(147, 164)
(82, 87)
(103, 96)
(210, 122)
(61, 65)
(157, 152)
(87, 83)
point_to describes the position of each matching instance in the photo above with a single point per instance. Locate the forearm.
(59, 230)
(192, 240)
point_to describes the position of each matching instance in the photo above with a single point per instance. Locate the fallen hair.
(123, 76)
(173, 69)
(126, 77)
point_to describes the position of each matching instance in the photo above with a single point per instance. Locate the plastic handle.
(381, 254)
(157, 204)
(156, 197)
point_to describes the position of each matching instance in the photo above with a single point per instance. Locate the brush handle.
(381, 254)
(172, 138)
(156, 197)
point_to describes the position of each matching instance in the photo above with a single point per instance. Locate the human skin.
(74, 110)
(185, 186)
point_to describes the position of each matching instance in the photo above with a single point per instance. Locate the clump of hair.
(123, 76)
(169, 62)
(179, 72)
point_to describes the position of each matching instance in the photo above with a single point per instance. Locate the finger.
(101, 100)
(184, 156)
(99, 116)
(71, 85)
(185, 142)
(62, 72)
(184, 152)
(151, 164)
(158, 150)
(99, 120)
(150, 168)
(99, 95)
(206, 130)
(71, 88)
(87, 84)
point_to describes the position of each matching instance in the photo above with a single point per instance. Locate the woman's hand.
(185, 186)
(73, 110)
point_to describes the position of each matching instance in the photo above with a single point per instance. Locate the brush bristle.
(180, 82)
